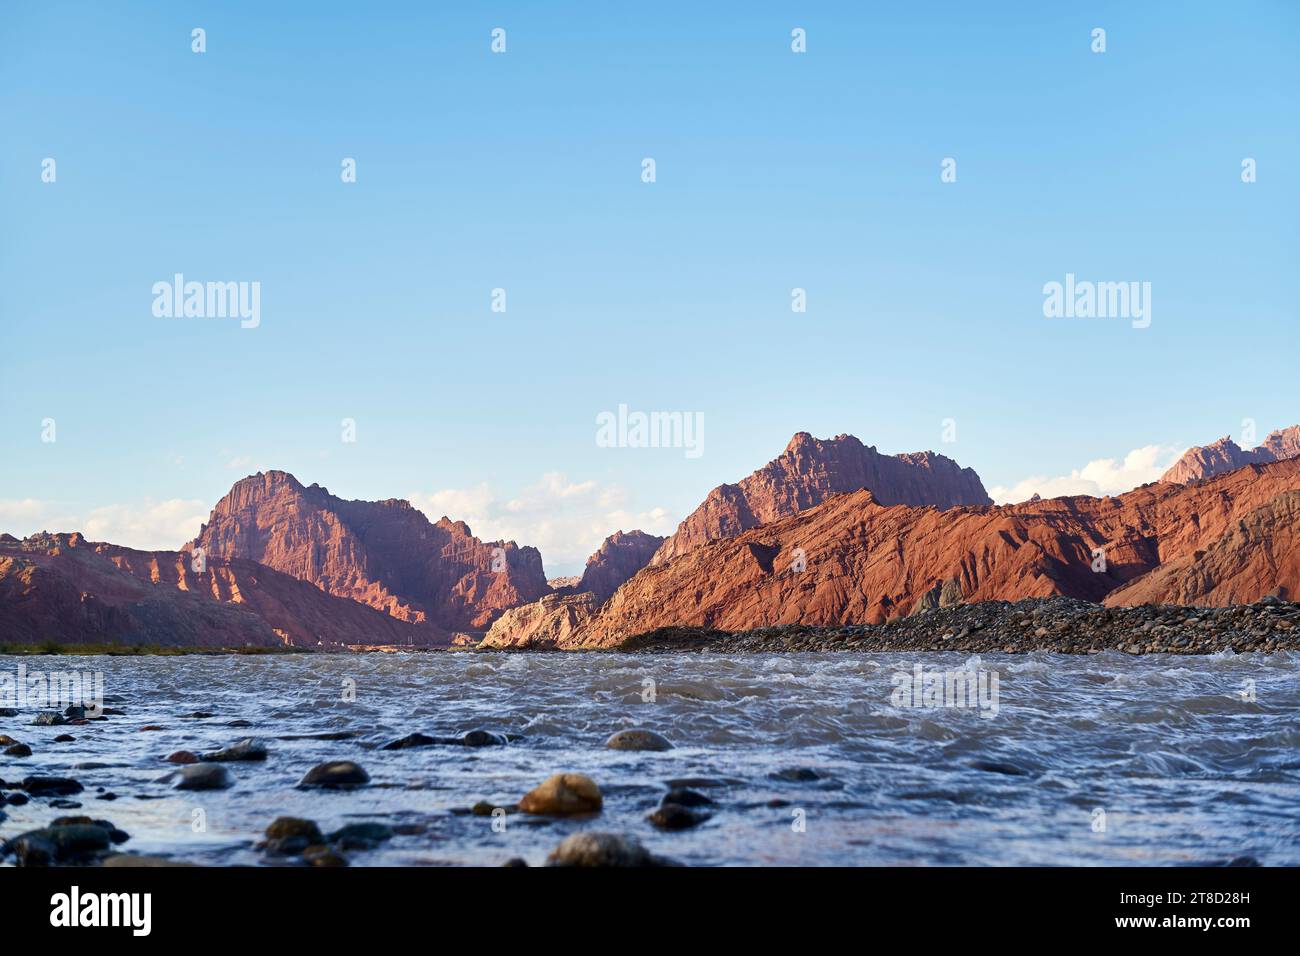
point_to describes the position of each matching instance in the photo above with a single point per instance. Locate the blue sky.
(522, 171)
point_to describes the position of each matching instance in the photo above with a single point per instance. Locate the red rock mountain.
(867, 562)
(810, 470)
(59, 587)
(554, 620)
(1226, 455)
(385, 554)
(620, 556)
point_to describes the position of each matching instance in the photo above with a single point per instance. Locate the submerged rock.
(282, 827)
(686, 798)
(68, 841)
(672, 816)
(18, 750)
(204, 776)
(51, 786)
(323, 856)
(562, 795)
(410, 740)
(638, 740)
(182, 756)
(335, 773)
(796, 775)
(474, 738)
(483, 738)
(361, 836)
(249, 748)
(998, 766)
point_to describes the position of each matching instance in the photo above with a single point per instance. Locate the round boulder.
(562, 795)
(204, 776)
(282, 827)
(335, 773)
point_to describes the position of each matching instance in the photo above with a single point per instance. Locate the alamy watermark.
(52, 690)
(969, 688)
(625, 429)
(1083, 299)
(209, 300)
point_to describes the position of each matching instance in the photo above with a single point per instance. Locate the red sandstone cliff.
(620, 556)
(385, 554)
(65, 589)
(810, 470)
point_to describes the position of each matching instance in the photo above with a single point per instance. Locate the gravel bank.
(1058, 625)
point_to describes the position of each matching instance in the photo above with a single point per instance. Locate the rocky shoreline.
(1054, 625)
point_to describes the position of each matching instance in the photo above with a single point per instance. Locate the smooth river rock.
(335, 773)
(562, 795)
(638, 740)
(204, 776)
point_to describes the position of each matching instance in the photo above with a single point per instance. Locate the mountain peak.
(809, 471)
(385, 554)
(1226, 455)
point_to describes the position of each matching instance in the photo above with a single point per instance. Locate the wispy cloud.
(1102, 476)
(566, 520)
(149, 525)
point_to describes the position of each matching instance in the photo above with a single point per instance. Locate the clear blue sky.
(522, 171)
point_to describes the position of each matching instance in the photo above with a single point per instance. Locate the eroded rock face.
(385, 554)
(61, 587)
(620, 556)
(1257, 556)
(812, 469)
(1226, 455)
(1225, 540)
(545, 624)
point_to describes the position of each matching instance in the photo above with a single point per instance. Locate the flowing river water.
(1105, 759)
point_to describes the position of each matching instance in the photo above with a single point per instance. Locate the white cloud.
(24, 516)
(565, 520)
(1102, 476)
(150, 526)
